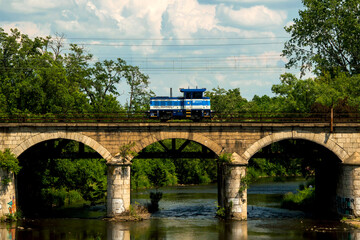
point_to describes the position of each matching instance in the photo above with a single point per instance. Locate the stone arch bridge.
(242, 140)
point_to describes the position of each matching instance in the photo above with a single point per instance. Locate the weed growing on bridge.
(220, 212)
(12, 217)
(225, 158)
(126, 153)
(9, 164)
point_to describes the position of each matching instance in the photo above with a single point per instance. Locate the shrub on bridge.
(9, 164)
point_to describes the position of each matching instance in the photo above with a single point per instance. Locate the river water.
(187, 212)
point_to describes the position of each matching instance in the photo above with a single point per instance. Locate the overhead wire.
(176, 39)
(203, 63)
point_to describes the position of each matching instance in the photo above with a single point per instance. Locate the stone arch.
(196, 137)
(63, 135)
(322, 139)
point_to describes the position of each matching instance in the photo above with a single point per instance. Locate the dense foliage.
(157, 172)
(37, 78)
(325, 36)
(9, 164)
(294, 95)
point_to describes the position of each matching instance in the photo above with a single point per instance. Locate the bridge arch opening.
(175, 162)
(58, 175)
(78, 137)
(317, 164)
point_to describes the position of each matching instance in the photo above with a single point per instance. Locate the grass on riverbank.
(303, 200)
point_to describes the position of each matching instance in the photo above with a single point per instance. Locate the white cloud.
(136, 18)
(220, 78)
(253, 82)
(34, 6)
(251, 1)
(187, 17)
(67, 14)
(71, 26)
(256, 16)
(101, 14)
(29, 28)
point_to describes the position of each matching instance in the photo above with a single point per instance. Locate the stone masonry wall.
(7, 195)
(348, 191)
(118, 189)
(234, 201)
(240, 139)
(243, 138)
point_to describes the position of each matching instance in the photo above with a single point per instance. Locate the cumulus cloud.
(187, 17)
(29, 28)
(135, 18)
(34, 6)
(256, 16)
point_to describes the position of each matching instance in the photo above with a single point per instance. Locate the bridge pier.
(233, 193)
(348, 188)
(118, 187)
(8, 197)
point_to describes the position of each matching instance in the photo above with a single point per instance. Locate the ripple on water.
(256, 212)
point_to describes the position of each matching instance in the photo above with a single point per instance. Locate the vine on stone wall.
(9, 164)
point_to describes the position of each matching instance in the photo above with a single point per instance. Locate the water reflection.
(188, 213)
(118, 231)
(235, 230)
(178, 229)
(8, 233)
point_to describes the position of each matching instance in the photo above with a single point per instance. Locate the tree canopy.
(38, 76)
(325, 37)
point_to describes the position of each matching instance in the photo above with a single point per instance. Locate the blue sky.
(178, 43)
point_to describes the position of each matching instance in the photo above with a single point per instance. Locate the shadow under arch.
(319, 138)
(321, 155)
(43, 184)
(22, 147)
(195, 137)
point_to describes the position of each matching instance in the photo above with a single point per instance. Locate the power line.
(176, 45)
(173, 39)
(172, 69)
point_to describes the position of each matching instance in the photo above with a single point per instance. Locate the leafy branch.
(9, 164)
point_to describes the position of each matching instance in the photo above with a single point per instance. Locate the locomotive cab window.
(193, 95)
(197, 95)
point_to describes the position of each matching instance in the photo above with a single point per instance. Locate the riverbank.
(352, 222)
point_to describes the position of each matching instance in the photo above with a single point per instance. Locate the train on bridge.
(192, 105)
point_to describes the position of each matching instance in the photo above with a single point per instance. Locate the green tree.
(296, 95)
(326, 36)
(139, 95)
(31, 80)
(223, 101)
(35, 77)
(264, 104)
(105, 76)
(335, 91)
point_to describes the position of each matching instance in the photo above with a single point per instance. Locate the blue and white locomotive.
(193, 105)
